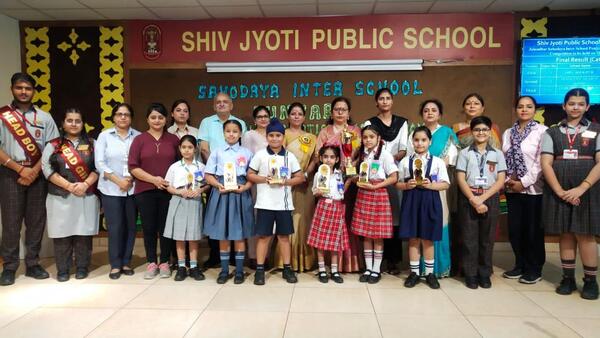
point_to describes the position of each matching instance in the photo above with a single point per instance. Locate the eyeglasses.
(258, 117)
(340, 110)
(123, 114)
(481, 130)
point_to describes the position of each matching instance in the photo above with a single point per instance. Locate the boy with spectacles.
(480, 175)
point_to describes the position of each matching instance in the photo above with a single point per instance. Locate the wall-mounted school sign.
(464, 37)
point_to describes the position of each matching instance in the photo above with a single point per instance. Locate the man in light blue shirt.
(210, 134)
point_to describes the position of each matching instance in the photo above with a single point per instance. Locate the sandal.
(323, 277)
(336, 277)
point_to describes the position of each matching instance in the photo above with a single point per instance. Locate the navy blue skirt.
(229, 216)
(421, 215)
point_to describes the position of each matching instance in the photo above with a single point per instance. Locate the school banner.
(433, 37)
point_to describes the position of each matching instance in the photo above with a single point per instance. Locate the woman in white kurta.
(72, 207)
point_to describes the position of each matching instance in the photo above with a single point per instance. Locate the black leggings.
(153, 206)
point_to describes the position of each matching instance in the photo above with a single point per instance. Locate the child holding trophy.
(229, 213)
(328, 230)
(372, 216)
(422, 176)
(275, 171)
(184, 218)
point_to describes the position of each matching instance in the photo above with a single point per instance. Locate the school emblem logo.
(492, 166)
(585, 141)
(152, 42)
(38, 133)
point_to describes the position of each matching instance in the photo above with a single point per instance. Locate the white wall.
(10, 60)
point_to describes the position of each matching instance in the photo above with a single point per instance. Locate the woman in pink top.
(522, 146)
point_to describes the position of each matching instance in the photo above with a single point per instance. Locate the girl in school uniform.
(372, 216)
(328, 230)
(184, 218)
(229, 212)
(571, 167)
(421, 213)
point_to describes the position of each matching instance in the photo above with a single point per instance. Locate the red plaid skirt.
(328, 229)
(372, 216)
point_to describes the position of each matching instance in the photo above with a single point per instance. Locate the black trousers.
(153, 206)
(479, 233)
(18, 203)
(120, 213)
(66, 248)
(526, 233)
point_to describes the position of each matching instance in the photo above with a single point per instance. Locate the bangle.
(7, 161)
(20, 170)
(588, 182)
(86, 183)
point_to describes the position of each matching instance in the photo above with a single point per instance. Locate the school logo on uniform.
(585, 141)
(491, 166)
(38, 133)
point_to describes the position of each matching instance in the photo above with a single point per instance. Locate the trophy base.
(350, 171)
(323, 190)
(230, 187)
(361, 183)
(276, 181)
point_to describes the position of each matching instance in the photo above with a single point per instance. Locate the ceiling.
(207, 9)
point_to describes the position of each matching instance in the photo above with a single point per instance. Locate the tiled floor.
(132, 306)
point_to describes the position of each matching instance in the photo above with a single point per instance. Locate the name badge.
(83, 147)
(570, 154)
(588, 134)
(481, 181)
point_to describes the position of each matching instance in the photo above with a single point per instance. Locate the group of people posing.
(347, 197)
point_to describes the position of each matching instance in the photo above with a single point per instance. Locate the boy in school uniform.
(274, 170)
(480, 175)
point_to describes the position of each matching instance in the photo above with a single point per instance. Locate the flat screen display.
(552, 66)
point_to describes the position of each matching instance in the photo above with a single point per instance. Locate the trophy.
(274, 170)
(418, 171)
(198, 179)
(347, 150)
(324, 176)
(230, 176)
(363, 173)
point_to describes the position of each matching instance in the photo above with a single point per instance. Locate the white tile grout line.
(287, 317)
(222, 286)
(123, 306)
(460, 311)
(374, 311)
(569, 326)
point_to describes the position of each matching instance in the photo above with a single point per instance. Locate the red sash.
(18, 129)
(75, 163)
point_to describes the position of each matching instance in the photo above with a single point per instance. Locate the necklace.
(157, 144)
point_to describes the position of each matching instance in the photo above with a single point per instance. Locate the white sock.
(414, 266)
(368, 261)
(322, 266)
(377, 258)
(429, 266)
(334, 268)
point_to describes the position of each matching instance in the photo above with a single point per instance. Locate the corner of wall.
(11, 55)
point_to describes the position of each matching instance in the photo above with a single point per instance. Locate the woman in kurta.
(340, 124)
(473, 106)
(73, 208)
(443, 145)
(302, 145)
(255, 140)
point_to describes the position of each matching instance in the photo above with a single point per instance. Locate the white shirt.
(178, 173)
(438, 171)
(335, 179)
(276, 196)
(386, 165)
